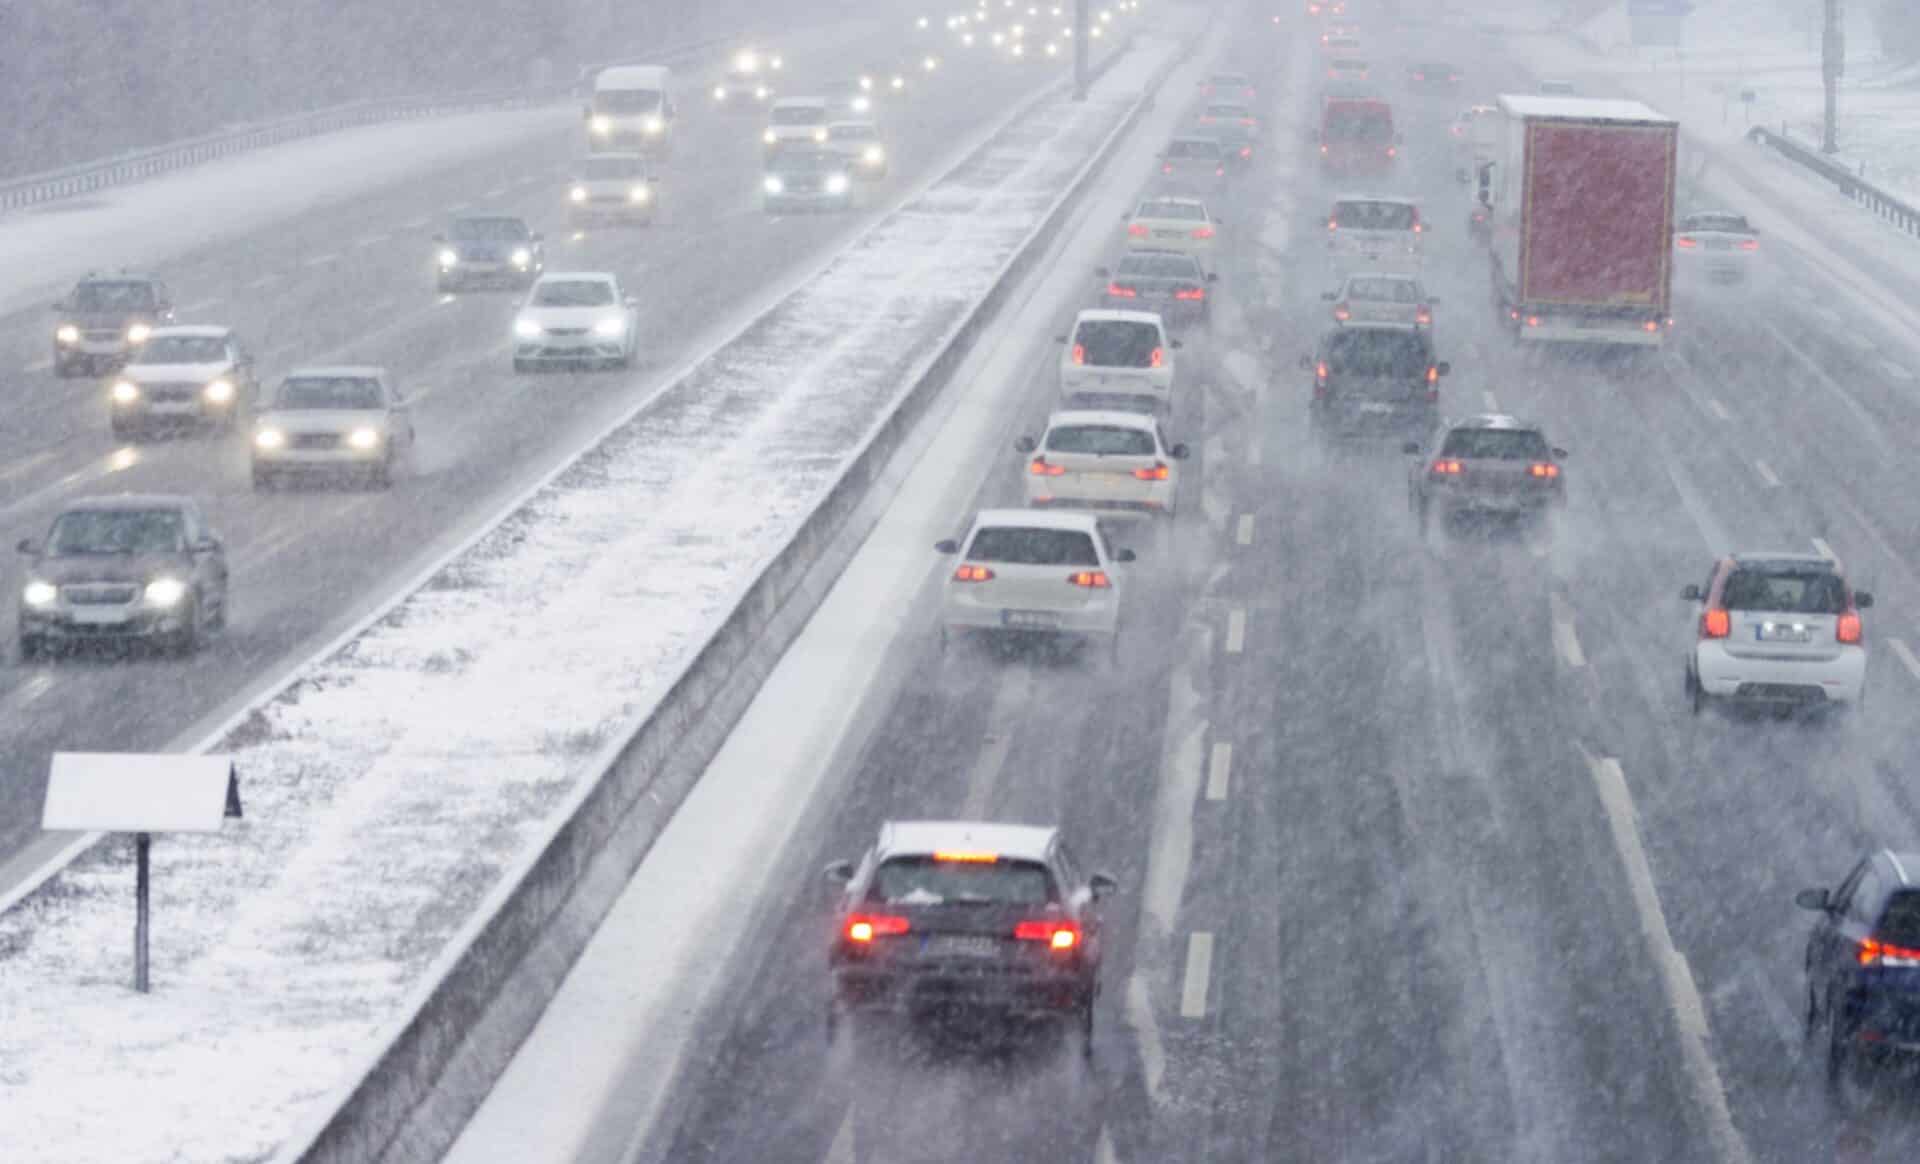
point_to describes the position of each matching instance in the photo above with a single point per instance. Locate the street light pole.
(1082, 32)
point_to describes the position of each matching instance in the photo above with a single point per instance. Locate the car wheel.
(521, 367)
(186, 640)
(262, 479)
(1696, 694)
(1852, 1087)
(380, 476)
(31, 648)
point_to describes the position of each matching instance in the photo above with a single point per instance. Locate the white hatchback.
(1118, 354)
(1023, 572)
(1777, 631)
(1096, 459)
(575, 318)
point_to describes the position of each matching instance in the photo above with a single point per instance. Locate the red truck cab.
(1357, 136)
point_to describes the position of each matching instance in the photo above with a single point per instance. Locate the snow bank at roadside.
(387, 789)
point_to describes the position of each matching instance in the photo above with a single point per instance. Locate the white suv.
(1124, 354)
(1027, 573)
(1777, 631)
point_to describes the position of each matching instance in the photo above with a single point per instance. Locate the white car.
(182, 376)
(1124, 354)
(1376, 233)
(1173, 224)
(1101, 459)
(1777, 631)
(611, 188)
(859, 143)
(575, 318)
(1023, 572)
(332, 421)
(1381, 297)
(746, 82)
(1717, 245)
(796, 121)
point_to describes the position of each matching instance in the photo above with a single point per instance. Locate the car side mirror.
(1330, 296)
(1102, 273)
(1102, 885)
(439, 238)
(838, 872)
(1862, 599)
(1306, 363)
(949, 546)
(1411, 448)
(1025, 444)
(1179, 452)
(1059, 339)
(1559, 454)
(1213, 276)
(1816, 899)
(1691, 593)
(536, 237)
(26, 546)
(1124, 556)
(1176, 345)
(207, 545)
(1486, 198)
(1443, 368)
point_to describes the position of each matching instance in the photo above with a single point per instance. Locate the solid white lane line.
(1766, 473)
(1719, 409)
(1824, 550)
(1146, 1034)
(1220, 766)
(415, 223)
(326, 260)
(1236, 631)
(263, 281)
(1896, 371)
(1905, 655)
(1683, 996)
(1492, 402)
(1244, 535)
(1564, 639)
(1103, 1152)
(1824, 311)
(1193, 991)
(372, 240)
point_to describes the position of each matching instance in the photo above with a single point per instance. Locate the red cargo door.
(1598, 214)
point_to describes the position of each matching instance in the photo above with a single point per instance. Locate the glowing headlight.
(526, 329)
(449, 257)
(861, 105)
(778, 64)
(899, 82)
(639, 194)
(610, 327)
(270, 438)
(166, 591)
(1019, 50)
(920, 23)
(866, 83)
(769, 137)
(39, 593)
(773, 185)
(125, 392)
(138, 333)
(873, 155)
(1053, 50)
(66, 333)
(967, 39)
(761, 92)
(930, 64)
(520, 257)
(364, 438)
(836, 183)
(1105, 16)
(820, 136)
(219, 391)
(653, 125)
(601, 124)
(746, 63)
(578, 193)
(719, 92)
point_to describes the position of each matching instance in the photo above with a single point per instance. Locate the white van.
(631, 109)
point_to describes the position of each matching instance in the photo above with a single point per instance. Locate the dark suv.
(947, 920)
(1375, 380)
(103, 319)
(1863, 972)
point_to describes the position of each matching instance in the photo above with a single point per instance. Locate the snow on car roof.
(631, 77)
(118, 501)
(926, 837)
(1493, 420)
(1112, 417)
(1581, 108)
(189, 331)
(1036, 519)
(1784, 558)
(1396, 199)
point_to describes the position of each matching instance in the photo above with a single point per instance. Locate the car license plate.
(1167, 233)
(1030, 619)
(1782, 632)
(106, 616)
(1156, 294)
(963, 946)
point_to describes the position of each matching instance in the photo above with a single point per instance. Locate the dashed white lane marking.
(1824, 550)
(1193, 990)
(1824, 311)
(263, 281)
(31, 690)
(198, 306)
(1014, 696)
(1244, 534)
(841, 1150)
(43, 365)
(1564, 639)
(1683, 996)
(1895, 371)
(372, 240)
(1905, 655)
(1146, 1034)
(1236, 631)
(1766, 473)
(1253, 451)
(326, 260)
(446, 299)
(1492, 401)
(496, 192)
(1103, 1152)
(459, 207)
(1220, 767)
(1718, 409)
(415, 223)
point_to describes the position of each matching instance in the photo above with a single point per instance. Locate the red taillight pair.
(1545, 469)
(1119, 291)
(1090, 580)
(1159, 472)
(973, 574)
(1191, 294)
(864, 927)
(1058, 935)
(1448, 468)
(1874, 952)
(1136, 230)
(1157, 359)
(1203, 232)
(1040, 467)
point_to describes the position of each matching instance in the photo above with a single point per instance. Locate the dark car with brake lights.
(951, 921)
(1863, 977)
(103, 319)
(1490, 466)
(488, 250)
(1374, 380)
(1171, 283)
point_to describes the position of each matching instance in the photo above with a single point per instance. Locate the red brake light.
(1320, 370)
(1136, 230)
(1159, 472)
(1040, 468)
(1332, 223)
(1685, 243)
(1158, 358)
(1715, 623)
(1423, 314)
(1203, 232)
(1394, 153)
(1448, 468)
(1246, 121)
(973, 574)
(864, 927)
(1219, 171)
(1750, 244)
(1651, 325)
(1341, 313)
(1874, 952)
(1191, 294)
(1847, 629)
(1545, 469)
(1433, 373)
(1058, 935)
(1246, 151)
(1419, 76)
(1090, 579)
(1167, 169)
(1323, 151)
(1079, 353)
(1457, 131)
(1533, 321)
(1118, 291)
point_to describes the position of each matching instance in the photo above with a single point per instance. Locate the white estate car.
(796, 121)
(1717, 244)
(1173, 224)
(182, 376)
(575, 318)
(1102, 459)
(344, 421)
(1780, 631)
(860, 144)
(611, 188)
(1023, 572)
(1123, 354)
(1375, 232)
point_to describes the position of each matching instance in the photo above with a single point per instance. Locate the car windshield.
(1362, 124)
(1379, 289)
(1374, 216)
(1117, 343)
(1101, 440)
(1160, 267)
(117, 531)
(1726, 223)
(102, 295)
(627, 100)
(328, 392)
(604, 168)
(573, 293)
(1788, 591)
(1190, 147)
(797, 115)
(182, 349)
(1378, 352)
(1495, 444)
(929, 881)
(1173, 209)
(1028, 546)
(488, 230)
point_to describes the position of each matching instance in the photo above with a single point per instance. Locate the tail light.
(1191, 294)
(1423, 314)
(1079, 353)
(1545, 469)
(864, 927)
(1246, 151)
(1457, 131)
(1090, 579)
(1874, 952)
(1847, 629)
(1219, 171)
(1136, 230)
(1715, 623)
(973, 574)
(1685, 243)
(1750, 244)
(1203, 232)
(1246, 121)
(1417, 226)
(1652, 325)
(1323, 151)
(1419, 76)
(1433, 373)
(1453, 76)
(1058, 935)
(1448, 468)
(1158, 358)
(1207, 89)
(1394, 153)
(1320, 380)
(1320, 370)
(1533, 321)
(1332, 223)
(1039, 467)
(1120, 291)
(1341, 312)
(1167, 169)
(1159, 472)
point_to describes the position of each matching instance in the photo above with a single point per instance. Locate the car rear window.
(1379, 290)
(1349, 65)
(329, 392)
(1730, 223)
(1378, 353)
(1368, 123)
(1101, 440)
(1185, 211)
(1227, 79)
(1342, 42)
(1360, 215)
(1900, 925)
(1787, 591)
(929, 881)
(1495, 444)
(1161, 267)
(1020, 546)
(1117, 343)
(1194, 148)
(1235, 111)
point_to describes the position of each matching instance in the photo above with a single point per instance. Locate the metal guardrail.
(1850, 182)
(88, 177)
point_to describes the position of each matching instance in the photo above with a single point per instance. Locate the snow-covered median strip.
(388, 788)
